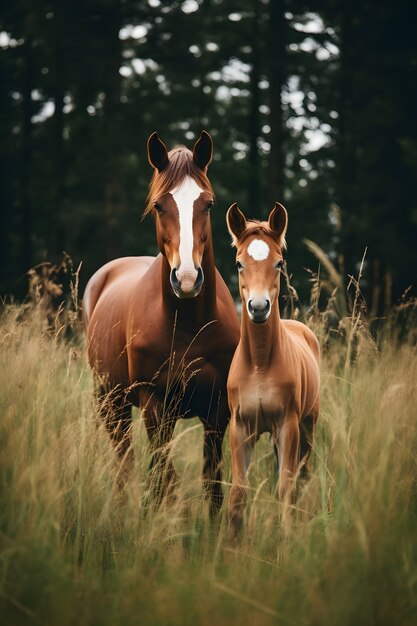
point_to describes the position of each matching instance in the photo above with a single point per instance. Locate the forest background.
(309, 103)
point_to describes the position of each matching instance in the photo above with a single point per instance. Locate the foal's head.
(259, 259)
(180, 197)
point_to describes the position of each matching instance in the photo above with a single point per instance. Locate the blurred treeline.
(310, 103)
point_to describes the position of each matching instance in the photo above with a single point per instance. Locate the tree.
(307, 104)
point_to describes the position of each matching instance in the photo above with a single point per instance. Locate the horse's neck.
(201, 309)
(209, 269)
(261, 342)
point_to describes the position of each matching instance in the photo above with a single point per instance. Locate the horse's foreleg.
(241, 446)
(212, 474)
(160, 429)
(288, 441)
(117, 415)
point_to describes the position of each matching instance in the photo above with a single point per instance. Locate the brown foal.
(273, 384)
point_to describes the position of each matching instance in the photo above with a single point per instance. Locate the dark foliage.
(309, 103)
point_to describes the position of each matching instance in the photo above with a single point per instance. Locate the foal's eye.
(209, 205)
(280, 264)
(239, 266)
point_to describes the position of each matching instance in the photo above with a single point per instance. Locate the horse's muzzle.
(259, 310)
(179, 289)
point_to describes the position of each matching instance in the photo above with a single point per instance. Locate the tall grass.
(74, 551)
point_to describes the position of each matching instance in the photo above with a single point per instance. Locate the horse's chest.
(185, 371)
(262, 403)
(187, 378)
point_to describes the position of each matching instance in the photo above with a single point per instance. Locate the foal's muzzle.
(178, 288)
(259, 310)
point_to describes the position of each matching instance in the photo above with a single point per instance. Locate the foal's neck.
(261, 341)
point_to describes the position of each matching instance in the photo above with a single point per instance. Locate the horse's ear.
(203, 150)
(277, 221)
(157, 152)
(236, 222)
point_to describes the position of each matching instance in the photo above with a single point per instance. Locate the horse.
(274, 379)
(162, 330)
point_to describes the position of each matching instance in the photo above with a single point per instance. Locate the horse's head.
(180, 196)
(259, 259)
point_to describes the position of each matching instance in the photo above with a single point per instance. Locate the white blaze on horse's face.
(185, 196)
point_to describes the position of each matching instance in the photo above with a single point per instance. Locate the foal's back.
(301, 333)
(303, 356)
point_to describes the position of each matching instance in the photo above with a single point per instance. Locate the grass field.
(72, 551)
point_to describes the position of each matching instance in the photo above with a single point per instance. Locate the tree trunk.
(59, 166)
(277, 63)
(346, 166)
(27, 149)
(113, 143)
(254, 122)
(7, 200)
(204, 21)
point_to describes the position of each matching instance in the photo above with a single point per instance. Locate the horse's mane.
(256, 227)
(180, 165)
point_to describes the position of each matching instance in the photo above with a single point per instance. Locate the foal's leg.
(160, 429)
(241, 446)
(275, 447)
(288, 441)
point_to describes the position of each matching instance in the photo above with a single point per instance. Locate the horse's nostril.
(184, 286)
(200, 278)
(174, 278)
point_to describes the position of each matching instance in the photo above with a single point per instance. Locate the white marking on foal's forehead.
(258, 249)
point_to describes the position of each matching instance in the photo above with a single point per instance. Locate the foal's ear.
(203, 150)
(157, 152)
(236, 223)
(277, 221)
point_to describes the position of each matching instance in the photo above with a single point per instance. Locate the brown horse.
(274, 379)
(162, 330)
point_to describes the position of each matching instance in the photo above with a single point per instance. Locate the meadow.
(73, 551)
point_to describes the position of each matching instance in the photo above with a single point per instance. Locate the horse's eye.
(157, 207)
(280, 264)
(209, 205)
(239, 266)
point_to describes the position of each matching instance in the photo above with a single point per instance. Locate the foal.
(273, 383)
